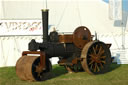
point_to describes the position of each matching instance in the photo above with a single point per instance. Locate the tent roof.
(66, 15)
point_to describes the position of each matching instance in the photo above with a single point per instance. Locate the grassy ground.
(118, 75)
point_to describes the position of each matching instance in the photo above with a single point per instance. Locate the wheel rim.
(97, 57)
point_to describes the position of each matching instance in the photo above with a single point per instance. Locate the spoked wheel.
(28, 68)
(96, 57)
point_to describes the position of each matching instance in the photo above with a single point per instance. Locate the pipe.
(45, 24)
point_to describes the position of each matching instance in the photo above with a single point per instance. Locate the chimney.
(45, 24)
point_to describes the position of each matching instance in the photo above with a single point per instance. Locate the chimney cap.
(44, 10)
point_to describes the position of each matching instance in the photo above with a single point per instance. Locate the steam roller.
(76, 52)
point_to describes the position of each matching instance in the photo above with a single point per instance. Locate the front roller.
(96, 57)
(28, 68)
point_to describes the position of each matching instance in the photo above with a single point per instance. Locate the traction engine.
(76, 52)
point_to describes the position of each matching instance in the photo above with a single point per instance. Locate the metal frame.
(42, 57)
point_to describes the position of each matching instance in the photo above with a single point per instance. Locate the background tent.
(65, 15)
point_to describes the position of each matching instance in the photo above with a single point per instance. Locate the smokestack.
(45, 24)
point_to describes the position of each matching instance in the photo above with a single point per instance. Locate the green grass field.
(118, 75)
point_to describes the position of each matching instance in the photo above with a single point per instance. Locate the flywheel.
(96, 57)
(28, 68)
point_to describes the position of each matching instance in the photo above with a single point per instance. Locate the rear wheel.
(96, 57)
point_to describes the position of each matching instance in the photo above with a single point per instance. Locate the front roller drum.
(28, 68)
(96, 57)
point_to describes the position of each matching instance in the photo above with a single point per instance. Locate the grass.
(118, 75)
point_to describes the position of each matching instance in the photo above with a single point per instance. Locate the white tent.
(65, 15)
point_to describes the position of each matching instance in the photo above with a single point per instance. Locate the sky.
(125, 4)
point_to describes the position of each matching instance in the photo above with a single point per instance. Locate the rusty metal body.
(77, 52)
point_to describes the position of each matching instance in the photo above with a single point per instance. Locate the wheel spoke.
(103, 57)
(91, 66)
(101, 65)
(92, 56)
(96, 47)
(91, 62)
(100, 49)
(36, 69)
(94, 50)
(95, 67)
(98, 69)
(103, 62)
(102, 52)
